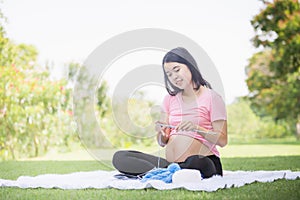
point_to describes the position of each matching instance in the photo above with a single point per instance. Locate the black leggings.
(138, 163)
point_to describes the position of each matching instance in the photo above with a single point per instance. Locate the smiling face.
(178, 74)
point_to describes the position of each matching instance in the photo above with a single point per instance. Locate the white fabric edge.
(104, 179)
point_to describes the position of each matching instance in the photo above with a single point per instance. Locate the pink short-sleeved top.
(209, 107)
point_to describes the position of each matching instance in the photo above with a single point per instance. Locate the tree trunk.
(298, 130)
(12, 151)
(36, 146)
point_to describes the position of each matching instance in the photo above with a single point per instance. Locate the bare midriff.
(180, 147)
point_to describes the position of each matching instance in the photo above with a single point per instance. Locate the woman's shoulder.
(212, 93)
(171, 98)
(216, 99)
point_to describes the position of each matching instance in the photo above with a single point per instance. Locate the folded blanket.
(106, 179)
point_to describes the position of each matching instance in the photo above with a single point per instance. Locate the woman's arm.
(220, 138)
(216, 136)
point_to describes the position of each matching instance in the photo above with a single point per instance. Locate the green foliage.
(274, 73)
(103, 102)
(123, 122)
(130, 122)
(245, 125)
(271, 129)
(242, 120)
(278, 27)
(35, 111)
(90, 134)
(73, 69)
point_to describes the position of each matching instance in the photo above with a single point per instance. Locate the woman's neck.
(191, 93)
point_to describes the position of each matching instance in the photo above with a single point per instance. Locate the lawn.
(281, 189)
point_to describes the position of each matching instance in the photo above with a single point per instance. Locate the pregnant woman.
(193, 122)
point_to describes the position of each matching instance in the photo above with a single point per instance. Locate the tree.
(35, 111)
(103, 104)
(103, 101)
(274, 72)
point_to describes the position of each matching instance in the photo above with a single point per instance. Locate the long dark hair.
(181, 55)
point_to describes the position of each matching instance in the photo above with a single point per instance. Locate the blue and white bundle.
(163, 174)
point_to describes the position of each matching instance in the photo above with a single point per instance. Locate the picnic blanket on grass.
(107, 179)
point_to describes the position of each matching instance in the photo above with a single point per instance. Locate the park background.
(253, 44)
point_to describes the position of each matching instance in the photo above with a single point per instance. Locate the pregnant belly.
(181, 147)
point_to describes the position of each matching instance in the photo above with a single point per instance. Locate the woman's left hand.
(186, 126)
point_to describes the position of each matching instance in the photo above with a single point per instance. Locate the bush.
(35, 111)
(270, 129)
(245, 125)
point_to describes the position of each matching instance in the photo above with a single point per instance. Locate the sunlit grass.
(270, 147)
(259, 150)
(262, 155)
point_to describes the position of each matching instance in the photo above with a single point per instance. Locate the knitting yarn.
(163, 174)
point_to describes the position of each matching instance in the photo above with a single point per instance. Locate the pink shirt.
(209, 107)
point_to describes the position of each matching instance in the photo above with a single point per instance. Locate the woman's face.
(178, 74)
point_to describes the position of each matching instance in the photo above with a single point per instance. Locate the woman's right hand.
(164, 131)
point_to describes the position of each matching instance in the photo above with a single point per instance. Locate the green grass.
(281, 189)
(231, 150)
(241, 139)
(259, 150)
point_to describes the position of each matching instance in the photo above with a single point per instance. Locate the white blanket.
(106, 179)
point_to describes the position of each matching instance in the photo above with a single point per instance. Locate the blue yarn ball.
(163, 174)
(173, 167)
